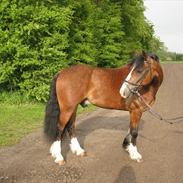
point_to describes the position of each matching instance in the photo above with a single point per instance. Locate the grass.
(18, 120)
(19, 117)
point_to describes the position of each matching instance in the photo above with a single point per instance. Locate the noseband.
(138, 85)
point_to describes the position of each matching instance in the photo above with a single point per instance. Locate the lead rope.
(154, 113)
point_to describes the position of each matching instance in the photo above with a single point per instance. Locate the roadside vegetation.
(19, 117)
(39, 38)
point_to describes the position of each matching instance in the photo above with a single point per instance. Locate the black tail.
(52, 113)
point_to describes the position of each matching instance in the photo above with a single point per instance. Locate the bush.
(38, 38)
(33, 39)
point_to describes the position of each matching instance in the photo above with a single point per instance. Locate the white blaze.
(124, 89)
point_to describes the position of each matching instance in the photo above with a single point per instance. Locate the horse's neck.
(125, 70)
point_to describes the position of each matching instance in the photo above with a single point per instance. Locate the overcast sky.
(167, 18)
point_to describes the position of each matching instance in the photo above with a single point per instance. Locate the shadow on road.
(178, 132)
(126, 175)
(89, 125)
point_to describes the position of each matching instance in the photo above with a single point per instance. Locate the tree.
(38, 38)
(138, 31)
(81, 46)
(107, 33)
(33, 39)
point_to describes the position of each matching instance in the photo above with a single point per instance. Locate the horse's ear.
(144, 54)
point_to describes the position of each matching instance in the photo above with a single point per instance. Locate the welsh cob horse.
(111, 88)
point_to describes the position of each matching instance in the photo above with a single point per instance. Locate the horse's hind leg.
(129, 143)
(74, 145)
(55, 149)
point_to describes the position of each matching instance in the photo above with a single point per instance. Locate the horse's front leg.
(129, 143)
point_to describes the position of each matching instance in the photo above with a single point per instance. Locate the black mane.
(153, 56)
(139, 60)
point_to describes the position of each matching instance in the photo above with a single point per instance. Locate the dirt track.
(101, 133)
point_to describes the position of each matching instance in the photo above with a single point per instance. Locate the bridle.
(138, 85)
(135, 91)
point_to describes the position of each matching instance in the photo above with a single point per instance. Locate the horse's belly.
(108, 102)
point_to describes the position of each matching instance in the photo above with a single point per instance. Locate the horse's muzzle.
(127, 89)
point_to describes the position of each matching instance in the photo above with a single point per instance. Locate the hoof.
(60, 162)
(139, 160)
(136, 157)
(82, 154)
(133, 153)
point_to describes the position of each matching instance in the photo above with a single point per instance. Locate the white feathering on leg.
(55, 151)
(75, 147)
(134, 154)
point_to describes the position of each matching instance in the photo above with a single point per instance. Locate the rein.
(154, 113)
(158, 116)
(138, 83)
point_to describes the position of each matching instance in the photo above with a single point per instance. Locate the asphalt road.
(101, 133)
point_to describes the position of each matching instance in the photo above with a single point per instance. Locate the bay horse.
(111, 88)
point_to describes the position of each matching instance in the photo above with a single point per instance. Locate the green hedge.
(38, 38)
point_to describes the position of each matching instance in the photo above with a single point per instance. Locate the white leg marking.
(55, 151)
(76, 148)
(87, 102)
(134, 154)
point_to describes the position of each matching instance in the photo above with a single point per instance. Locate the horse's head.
(143, 69)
